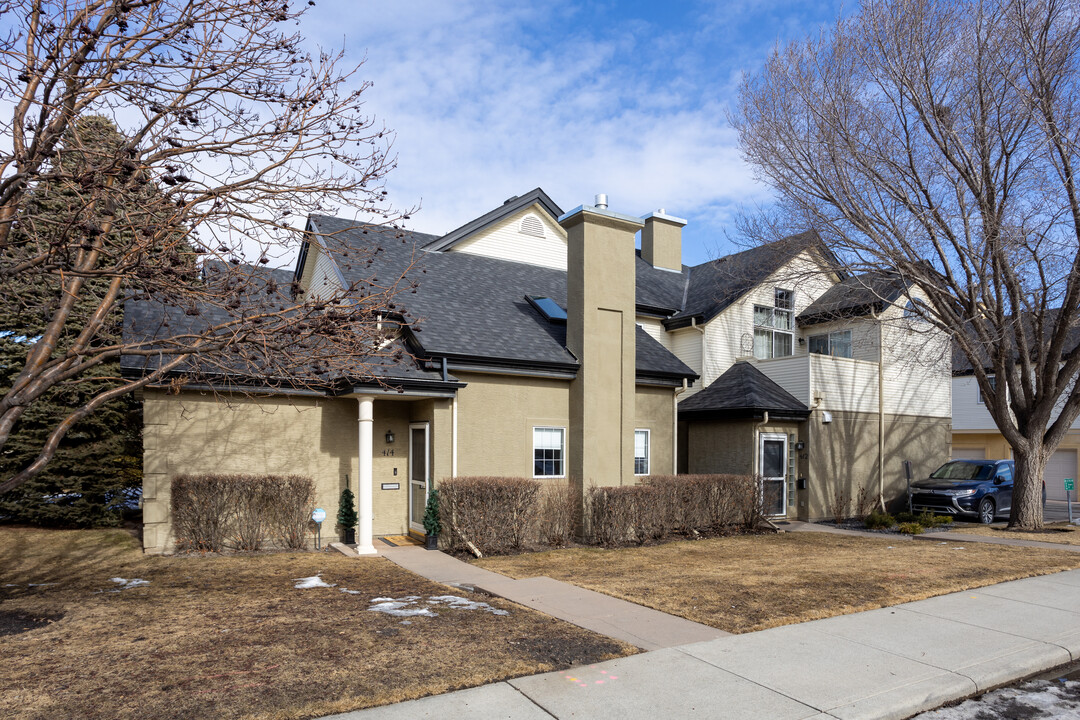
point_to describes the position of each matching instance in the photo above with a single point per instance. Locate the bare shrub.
(838, 506)
(200, 512)
(622, 515)
(294, 497)
(558, 512)
(750, 499)
(689, 503)
(252, 505)
(865, 502)
(496, 515)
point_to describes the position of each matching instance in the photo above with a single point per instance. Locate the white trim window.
(978, 389)
(549, 452)
(773, 336)
(641, 452)
(836, 344)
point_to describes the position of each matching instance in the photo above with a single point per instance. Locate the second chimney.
(661, 241)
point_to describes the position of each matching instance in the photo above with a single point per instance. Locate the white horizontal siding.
(324, 279)
(844, 384)
(506, 241)
(790, 373)
(864, 336)
(654, 328)
(730, 335)
(918, 364)
(686, 345)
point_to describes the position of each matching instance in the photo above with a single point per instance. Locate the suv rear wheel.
(986, 511)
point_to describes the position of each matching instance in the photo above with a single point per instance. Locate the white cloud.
(488, 101)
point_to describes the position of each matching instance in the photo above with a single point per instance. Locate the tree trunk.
(1027, 509)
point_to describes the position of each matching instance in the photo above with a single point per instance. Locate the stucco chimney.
(600, 332)
(661, 241)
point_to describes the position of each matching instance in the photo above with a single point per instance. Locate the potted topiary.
(347, 517)
(431, 521)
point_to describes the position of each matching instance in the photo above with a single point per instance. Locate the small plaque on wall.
(391, 486)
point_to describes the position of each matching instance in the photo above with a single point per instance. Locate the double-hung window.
(773, 326)
(837, 344)
(978, 390)
(549, 452)
(641, 452)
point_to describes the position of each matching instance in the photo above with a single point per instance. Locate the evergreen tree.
(97, 469)
(346, 514)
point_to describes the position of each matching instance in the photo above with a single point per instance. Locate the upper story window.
(773, 326)
(978, 390)
(837, 344)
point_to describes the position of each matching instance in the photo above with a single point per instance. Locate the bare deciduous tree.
(940, 139)
(228, 129)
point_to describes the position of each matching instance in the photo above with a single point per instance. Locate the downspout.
(675, 427)
(453, 447)
(754, 440)
(881, 410)
(704, 348)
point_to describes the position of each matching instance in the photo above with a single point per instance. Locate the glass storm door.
(773, 465)
(419, 474)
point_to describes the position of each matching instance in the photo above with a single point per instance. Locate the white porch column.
(364, 545)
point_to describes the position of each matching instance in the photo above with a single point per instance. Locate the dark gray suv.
(982, 488)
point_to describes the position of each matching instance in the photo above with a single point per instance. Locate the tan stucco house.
(545, 344)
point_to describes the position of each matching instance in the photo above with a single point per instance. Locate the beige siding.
(655, 329)
(864, 336)
(507, 241)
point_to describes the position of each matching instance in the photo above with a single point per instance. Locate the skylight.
(548, 308)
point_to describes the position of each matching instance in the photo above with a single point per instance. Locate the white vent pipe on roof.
(601, 201)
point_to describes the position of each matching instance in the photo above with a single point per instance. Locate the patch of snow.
(351, 592)
(312, 582)
(1036, 699)
(405, 607)
(406, 622)
(126, 584)
(461, 603)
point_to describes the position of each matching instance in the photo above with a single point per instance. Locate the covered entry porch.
(405, 440)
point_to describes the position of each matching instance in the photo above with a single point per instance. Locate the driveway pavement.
(890, 663)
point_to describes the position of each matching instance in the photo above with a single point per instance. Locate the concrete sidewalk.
(888, 663)
(640, 626)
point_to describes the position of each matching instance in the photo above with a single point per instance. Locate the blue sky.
(489, 100)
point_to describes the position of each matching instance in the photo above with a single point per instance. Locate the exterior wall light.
(389, 437)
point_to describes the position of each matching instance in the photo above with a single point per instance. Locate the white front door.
(419, 474)
(772, 448)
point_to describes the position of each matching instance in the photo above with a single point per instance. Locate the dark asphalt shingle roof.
(717, 284)
(855, 296)
(742, 390)
(474, 306)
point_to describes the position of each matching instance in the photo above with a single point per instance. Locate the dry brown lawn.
(745, 583)
(230, 637)
(1060, 532)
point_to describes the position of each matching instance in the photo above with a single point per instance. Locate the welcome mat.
(399, 540)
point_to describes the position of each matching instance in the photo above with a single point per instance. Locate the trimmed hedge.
(493, 515)
(213, 512)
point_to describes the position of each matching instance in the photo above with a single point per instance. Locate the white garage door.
(968, 453)
(1062, 465)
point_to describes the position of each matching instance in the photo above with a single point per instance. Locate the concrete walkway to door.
(643, 627)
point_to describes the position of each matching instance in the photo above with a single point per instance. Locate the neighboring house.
(543, 344)
(976, 436)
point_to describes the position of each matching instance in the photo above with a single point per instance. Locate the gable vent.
(531, 225)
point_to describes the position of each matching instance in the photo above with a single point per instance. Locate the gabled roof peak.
(536, 196)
